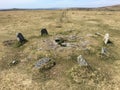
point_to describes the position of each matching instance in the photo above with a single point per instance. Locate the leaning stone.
(44, 32)
(81, 61)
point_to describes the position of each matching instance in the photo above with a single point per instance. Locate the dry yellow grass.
(81, 24)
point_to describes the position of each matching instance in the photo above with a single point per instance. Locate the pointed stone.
(81, 61)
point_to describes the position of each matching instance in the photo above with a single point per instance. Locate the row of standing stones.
(21, 38)
(45, 61)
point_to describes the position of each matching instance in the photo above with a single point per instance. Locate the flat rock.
(44, 63)
(41, 62)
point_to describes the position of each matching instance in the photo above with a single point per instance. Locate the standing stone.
(103, 50)
(81, 61)
(106, 38)
(44, 32)
(20, 37)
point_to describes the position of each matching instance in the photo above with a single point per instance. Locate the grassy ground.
(66, 74)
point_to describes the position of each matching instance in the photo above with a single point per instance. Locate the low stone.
(44, 63)
(14, 62)
(81, 61)
(59, 40)
(99, 34)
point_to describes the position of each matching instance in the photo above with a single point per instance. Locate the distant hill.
(110, 8)
(106, 8)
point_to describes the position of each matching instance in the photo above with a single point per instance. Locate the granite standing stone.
(20, 37)
(106, 38)
(44, 32)
(81, 61)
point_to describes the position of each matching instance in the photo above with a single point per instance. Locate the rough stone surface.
(81, 61)
(44, 63)
(104, 52)
(44, 32)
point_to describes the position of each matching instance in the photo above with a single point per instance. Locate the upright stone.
(103, 50)
(81, 61)
(44, 32)
(20, 37)
(106, 38)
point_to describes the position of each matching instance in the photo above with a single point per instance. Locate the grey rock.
(42, 62)
(81, 61)
(104, 51)
(45, 63)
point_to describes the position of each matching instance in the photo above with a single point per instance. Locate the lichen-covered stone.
(44, 63)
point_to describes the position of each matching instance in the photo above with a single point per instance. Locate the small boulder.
(59, 41)
(44, 63)
(14, 62)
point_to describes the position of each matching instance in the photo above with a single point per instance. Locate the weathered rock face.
(44, 32)
(81, 61)
(20, 38)
(44, 63)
